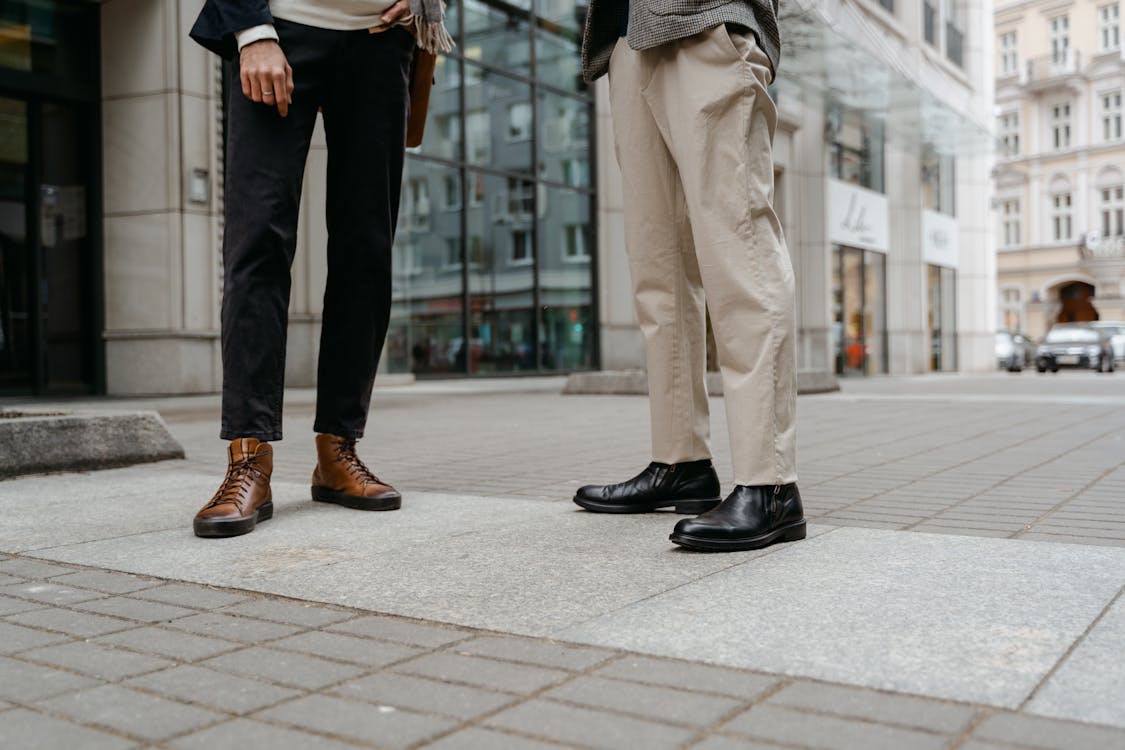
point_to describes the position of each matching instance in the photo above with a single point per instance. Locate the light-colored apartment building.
(1060, 175)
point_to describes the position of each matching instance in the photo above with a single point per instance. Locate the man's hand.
(395, 12)
(266, 75)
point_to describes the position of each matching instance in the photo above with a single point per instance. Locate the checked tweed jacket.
(655, 22)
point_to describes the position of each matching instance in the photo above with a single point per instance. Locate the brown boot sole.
(219, 528)
(386, 501)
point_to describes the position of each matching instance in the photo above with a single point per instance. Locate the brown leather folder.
(421, 81)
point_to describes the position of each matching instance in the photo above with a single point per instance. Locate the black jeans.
(360, 81)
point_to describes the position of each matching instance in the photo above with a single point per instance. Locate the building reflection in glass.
(492, 259)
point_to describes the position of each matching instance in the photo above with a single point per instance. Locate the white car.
(1116, 331)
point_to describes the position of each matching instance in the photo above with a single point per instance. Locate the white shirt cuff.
(255, 34)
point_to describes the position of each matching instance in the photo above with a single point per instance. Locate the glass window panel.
(51, 39)
(493, 102)
(426, 326)
(497, 37)
(558, 60)
(566, 241)
(16, 269)
(501, 275)
(564, 139)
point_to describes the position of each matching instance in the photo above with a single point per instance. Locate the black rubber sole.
(386, 501)
(218, 529)
(683, 506)
(791, 533)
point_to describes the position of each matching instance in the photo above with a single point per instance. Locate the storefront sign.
(939, 239)
(857, 217)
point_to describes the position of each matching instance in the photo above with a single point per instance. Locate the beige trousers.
(694, 133)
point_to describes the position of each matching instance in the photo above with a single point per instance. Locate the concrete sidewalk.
(961, 586)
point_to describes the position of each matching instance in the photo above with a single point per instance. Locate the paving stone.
(475, 738)
(722, 742)
(105, 581)
(27, 568)
(242, 734)
(427, 696)
(688, 676)
(1090, 684)
(1033, 731)
(26, 729)
(218, 690)
(289, 612)
(284, 668)
(136, 609)
(25, 683)
(401, 631)
(981, 745)
(49, 593)
(184, 595)
(487, 673)
(171, 643)
(10, 605)
(918, 713)
(96, 660)
(657, 703)
(542, 653)
(131, 712)
(359, 721)
(365, 651)
(7, 580)
(73, 623)
(244, 629)
(581, 726)
(783, 726)
(15, 638)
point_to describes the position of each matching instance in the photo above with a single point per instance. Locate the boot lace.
(237, 474)
(345, 453)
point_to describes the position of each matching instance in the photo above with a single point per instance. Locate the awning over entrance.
(831, 51)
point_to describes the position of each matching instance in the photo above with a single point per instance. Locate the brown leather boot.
(244, 497)
(341, 477)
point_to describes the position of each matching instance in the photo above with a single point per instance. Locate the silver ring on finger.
(267, 93)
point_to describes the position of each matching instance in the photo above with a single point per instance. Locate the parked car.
(1075, 345)
(1116, 336)
(1013, 351)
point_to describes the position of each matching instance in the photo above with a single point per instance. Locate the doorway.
(1076, 303)
(859, 328)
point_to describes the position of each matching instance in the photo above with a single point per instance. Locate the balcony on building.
(1053, 72)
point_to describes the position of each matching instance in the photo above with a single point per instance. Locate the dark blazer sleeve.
(220, 19)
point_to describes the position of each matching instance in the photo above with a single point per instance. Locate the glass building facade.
(50, 220)
(493, 258)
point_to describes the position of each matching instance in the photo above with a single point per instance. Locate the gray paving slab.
(657, 703)
(211, 689)
(573, 725)
(15, 638)
(886, 708)
(110, 583)
(241, 734)
(724, 742)
(781, 725)
(25, 683)
(340, 647)
(284, 668)
(529, 651)
(1048, 734)
(486, 573)
(26, 729)
(136, 609)
(690, 676)
(962, 618)
(94, 511)
(170, 643)
(486, 673)
(96, 660)
(49, 593)
(81, 624)
(131, 712)
(390, 727)
(219, 624)
(1090, 683)
(424, 695)
(199, 597)
(476, 738)
(398, 630)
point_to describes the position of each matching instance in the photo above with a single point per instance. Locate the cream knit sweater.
(343, 15)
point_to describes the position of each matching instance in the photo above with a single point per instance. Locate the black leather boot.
(691, 487)
(751, 517)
